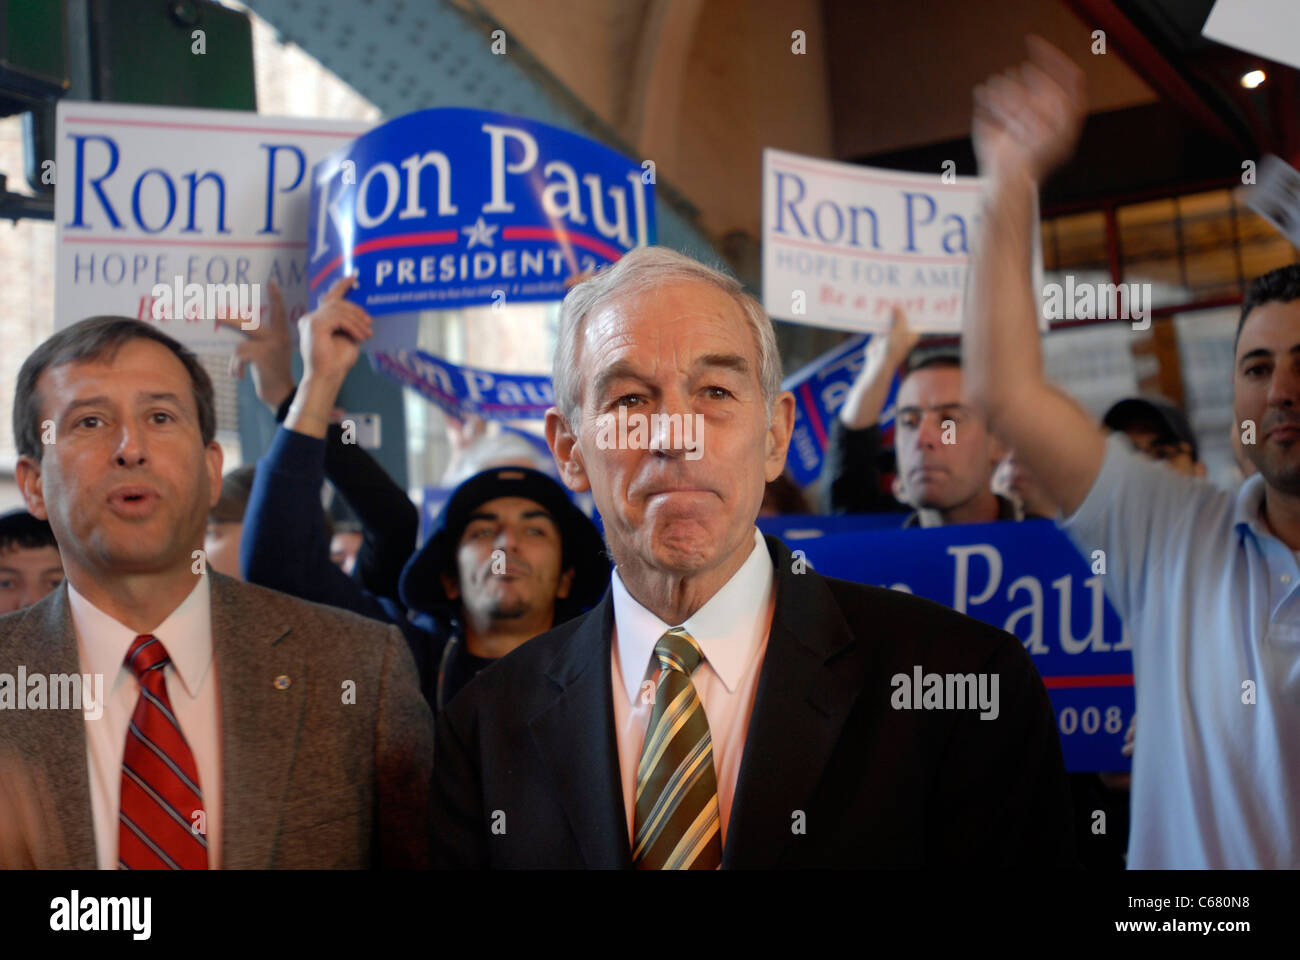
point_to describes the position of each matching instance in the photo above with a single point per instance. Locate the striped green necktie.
(677, 825)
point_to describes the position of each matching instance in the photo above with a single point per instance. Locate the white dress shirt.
(102, 643)
(732, 629)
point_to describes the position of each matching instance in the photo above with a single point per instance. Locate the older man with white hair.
(724, 704)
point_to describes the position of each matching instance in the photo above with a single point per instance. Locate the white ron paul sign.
(844, 244)
(180, 216)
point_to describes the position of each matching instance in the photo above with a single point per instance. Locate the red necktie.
(160, 782)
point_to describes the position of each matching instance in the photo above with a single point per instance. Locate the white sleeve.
(1145, 517)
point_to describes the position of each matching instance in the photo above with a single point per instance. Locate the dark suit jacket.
(308, 781)
(527, 768)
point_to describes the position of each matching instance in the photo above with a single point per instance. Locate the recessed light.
(1252, 79)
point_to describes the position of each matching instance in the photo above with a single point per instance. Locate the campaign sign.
(462, 391)
(450, 207)
(1028, 579)
(181, 216)
(844, 244)
(819, 390)
(796, 527)
(1276, 197)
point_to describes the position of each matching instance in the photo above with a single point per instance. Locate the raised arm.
(389, 520)
(850, 472)
(1026, 123)
(285, 546)
(884, 355)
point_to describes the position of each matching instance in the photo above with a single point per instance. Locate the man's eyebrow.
(159, 395)
(85, 402)
(1263, 353)
(617, 370)
(101, 400)
(729, 361)
(487, 515)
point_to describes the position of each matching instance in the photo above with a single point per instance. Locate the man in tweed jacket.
(311, 741)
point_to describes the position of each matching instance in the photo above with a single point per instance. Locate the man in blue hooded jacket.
(510, 556)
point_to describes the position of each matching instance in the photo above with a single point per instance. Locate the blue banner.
(1028, 579)
(450, 207)
(819, 390)
(803, 526)
(461, 391)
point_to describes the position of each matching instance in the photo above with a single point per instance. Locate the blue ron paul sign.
(449, 207)
(1026, 578)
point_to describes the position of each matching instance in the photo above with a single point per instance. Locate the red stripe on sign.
(168, 242)
(429, 239)
(1089, 680)
(813, 417)
(330, 267)
(923, 181)
(562, 236)
(225, 127)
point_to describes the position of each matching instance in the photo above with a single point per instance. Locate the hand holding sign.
(332, 335)
(331, 338)
(1028, 119)
(268, 347)
(901, 339)
(866, 399)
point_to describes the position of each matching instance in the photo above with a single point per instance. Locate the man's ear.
(565, 586)
(28, 475)
(1198, 468)
(564, 448)
(778, 435)
(213, 457)
(898, 489)
(450, 586)
(997, 450)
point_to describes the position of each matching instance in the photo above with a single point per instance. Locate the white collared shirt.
(102, 643)
(732, 630)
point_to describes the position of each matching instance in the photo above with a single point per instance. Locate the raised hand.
(331, 338)
(1027, 120)
(268, 350)
(332, 334)
(464, 433)
(901, 338)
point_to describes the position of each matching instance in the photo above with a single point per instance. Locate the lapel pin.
(281, 682)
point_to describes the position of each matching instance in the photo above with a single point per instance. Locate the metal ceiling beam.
(1152, 66)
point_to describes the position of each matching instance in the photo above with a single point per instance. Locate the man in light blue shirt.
(1205, 580)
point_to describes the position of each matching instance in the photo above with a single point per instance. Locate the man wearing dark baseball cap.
(1157, 430)
(510, 557)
